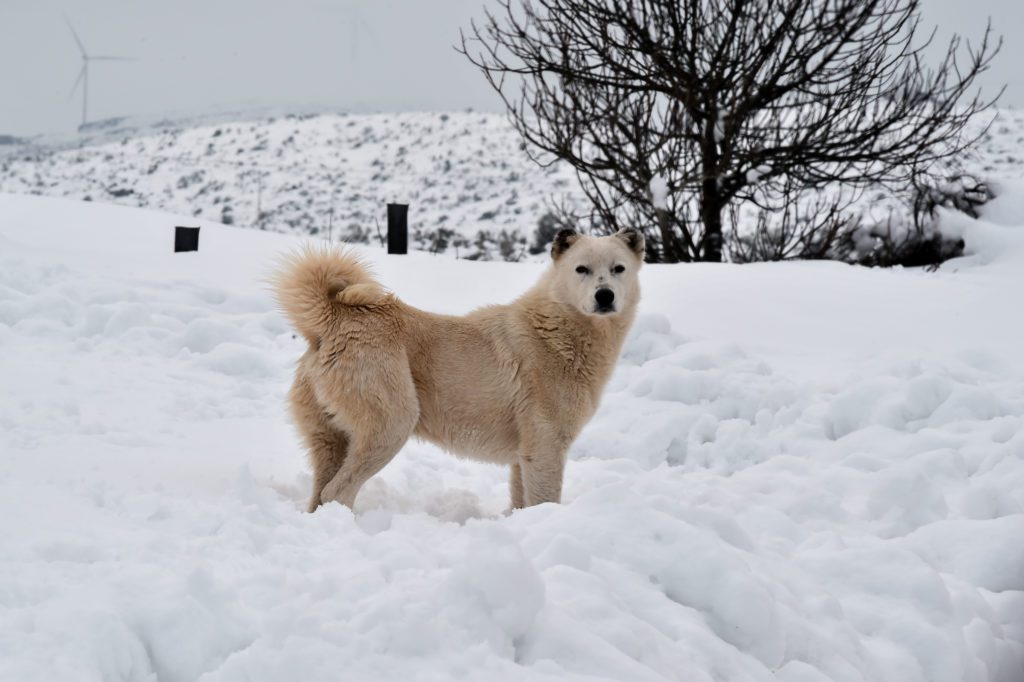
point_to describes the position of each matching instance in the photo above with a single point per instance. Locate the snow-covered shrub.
(488, 246)
(511, 245)
(905, 244)
(816, 229)
(916, 239)
(355, 233)
(547, 227)
(963, 192)
(825, 227)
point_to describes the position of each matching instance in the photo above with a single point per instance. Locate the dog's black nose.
(604, 298)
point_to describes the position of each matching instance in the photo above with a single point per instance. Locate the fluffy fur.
(512, 384)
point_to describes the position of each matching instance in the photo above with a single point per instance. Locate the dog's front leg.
(515, 485)
(541, 462)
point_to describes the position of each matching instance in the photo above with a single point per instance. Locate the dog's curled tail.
(315, 284)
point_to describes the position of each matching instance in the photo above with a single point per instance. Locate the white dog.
(512, 383)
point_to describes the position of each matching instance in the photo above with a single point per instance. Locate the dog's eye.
(619, 269)
(583, 269)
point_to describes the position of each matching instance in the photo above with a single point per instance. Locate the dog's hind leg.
(327, 451)
(368, 453)
(326, 443)
(379, 421)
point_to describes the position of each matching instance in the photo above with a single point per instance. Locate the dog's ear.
(563, 240)
(633, 239)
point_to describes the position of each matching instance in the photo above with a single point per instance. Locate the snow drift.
(800, 472)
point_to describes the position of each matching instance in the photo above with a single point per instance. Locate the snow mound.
(772, 489)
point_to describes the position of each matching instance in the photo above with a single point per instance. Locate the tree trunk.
(669, 251)
(711, 206)
(711, 200)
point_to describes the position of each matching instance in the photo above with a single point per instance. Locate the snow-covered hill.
(472, 190)
(464, 175)
(800, 472)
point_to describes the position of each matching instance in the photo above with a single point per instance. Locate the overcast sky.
(210, 55)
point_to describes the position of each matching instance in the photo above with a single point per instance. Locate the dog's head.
(598, 275)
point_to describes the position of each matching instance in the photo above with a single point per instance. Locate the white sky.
(208, 55)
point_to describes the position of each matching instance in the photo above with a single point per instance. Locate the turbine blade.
(362, 22)
(358, 20)
(81, 75)
(73, 33)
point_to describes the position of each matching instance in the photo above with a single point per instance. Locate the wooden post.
(186, 239)
(398, 228)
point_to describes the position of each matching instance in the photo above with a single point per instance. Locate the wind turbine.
(356, 21)
(83, 75)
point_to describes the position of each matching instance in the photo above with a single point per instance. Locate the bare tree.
(807, 228)
(671, 111)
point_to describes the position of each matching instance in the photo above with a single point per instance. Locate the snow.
(472, 190)
(799, 472)
(659, 192)
(327, 174)
(754, 175)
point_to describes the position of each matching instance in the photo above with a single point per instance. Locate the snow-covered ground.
(800, 472)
